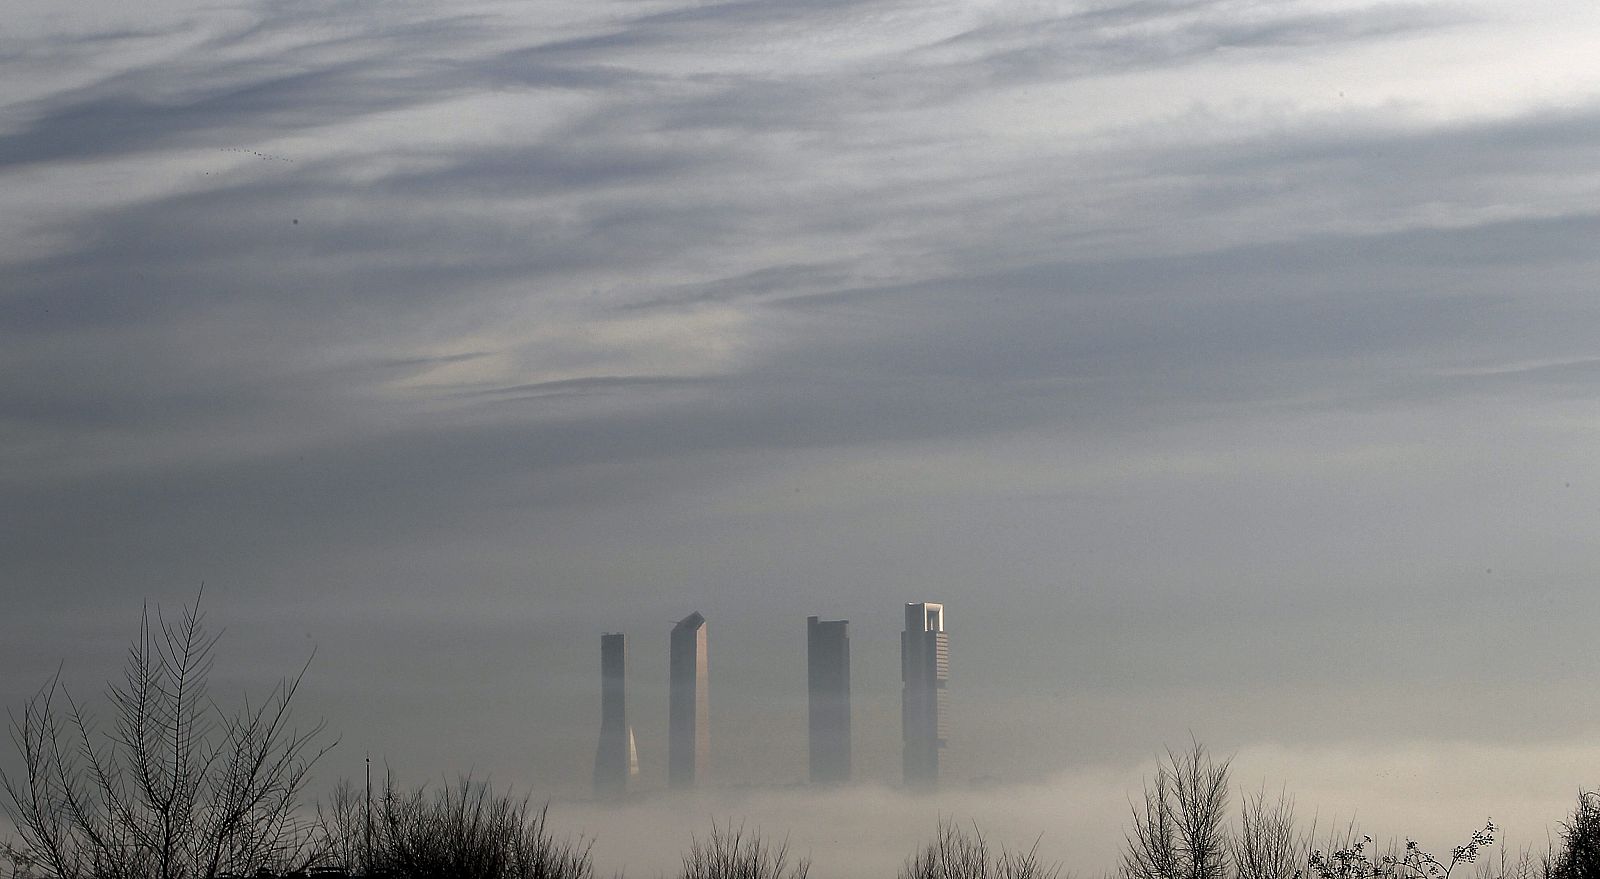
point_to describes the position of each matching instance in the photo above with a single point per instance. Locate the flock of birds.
(263, 156)
(266, 157)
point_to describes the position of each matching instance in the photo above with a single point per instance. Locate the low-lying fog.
(1079, 817)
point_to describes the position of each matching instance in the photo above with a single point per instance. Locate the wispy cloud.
(1071, 313)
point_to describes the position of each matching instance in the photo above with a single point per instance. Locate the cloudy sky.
(1228, 368)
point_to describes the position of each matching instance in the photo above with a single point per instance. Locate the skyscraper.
(615, 759)
(828, 686)
(688, 732)
(924, 669)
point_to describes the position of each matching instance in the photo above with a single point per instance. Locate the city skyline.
(924, 710)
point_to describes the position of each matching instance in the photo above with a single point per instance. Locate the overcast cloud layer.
(1227, 368)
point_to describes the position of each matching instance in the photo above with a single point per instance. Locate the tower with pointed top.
(688, 710)
(924, 671)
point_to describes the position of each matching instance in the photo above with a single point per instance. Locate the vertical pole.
(366, 869)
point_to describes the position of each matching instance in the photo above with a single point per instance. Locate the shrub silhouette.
(1579, 854)
(1180, 832)
(732, 853)
(958, 854)
(1411, 862)
(465, 831)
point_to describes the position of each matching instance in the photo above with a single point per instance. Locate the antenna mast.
(367, 868)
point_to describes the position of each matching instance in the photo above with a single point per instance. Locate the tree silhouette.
(175, 788)
(1179, 834)
(1579, 856)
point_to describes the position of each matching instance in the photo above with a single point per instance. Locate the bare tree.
(344, 829)
(1267, 845)
(463, 831)
(957, 854)
(1579, 855)
(1179, 833)
(952, 854)
(732, 853)
(175, 788)
(1521, 863)
(21, 862)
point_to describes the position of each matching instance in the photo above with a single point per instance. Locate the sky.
(1227, 369)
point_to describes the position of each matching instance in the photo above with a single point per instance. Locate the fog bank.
(1435, 793)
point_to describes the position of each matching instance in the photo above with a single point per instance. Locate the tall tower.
(925, 669)
(828, 686)
(688, 712)
(614, 760)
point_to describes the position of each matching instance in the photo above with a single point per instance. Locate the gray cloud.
(1242, 409)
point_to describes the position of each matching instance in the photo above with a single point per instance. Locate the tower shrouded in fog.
(828, 687)
(925, 670)
(616, 760)
(688, 710)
